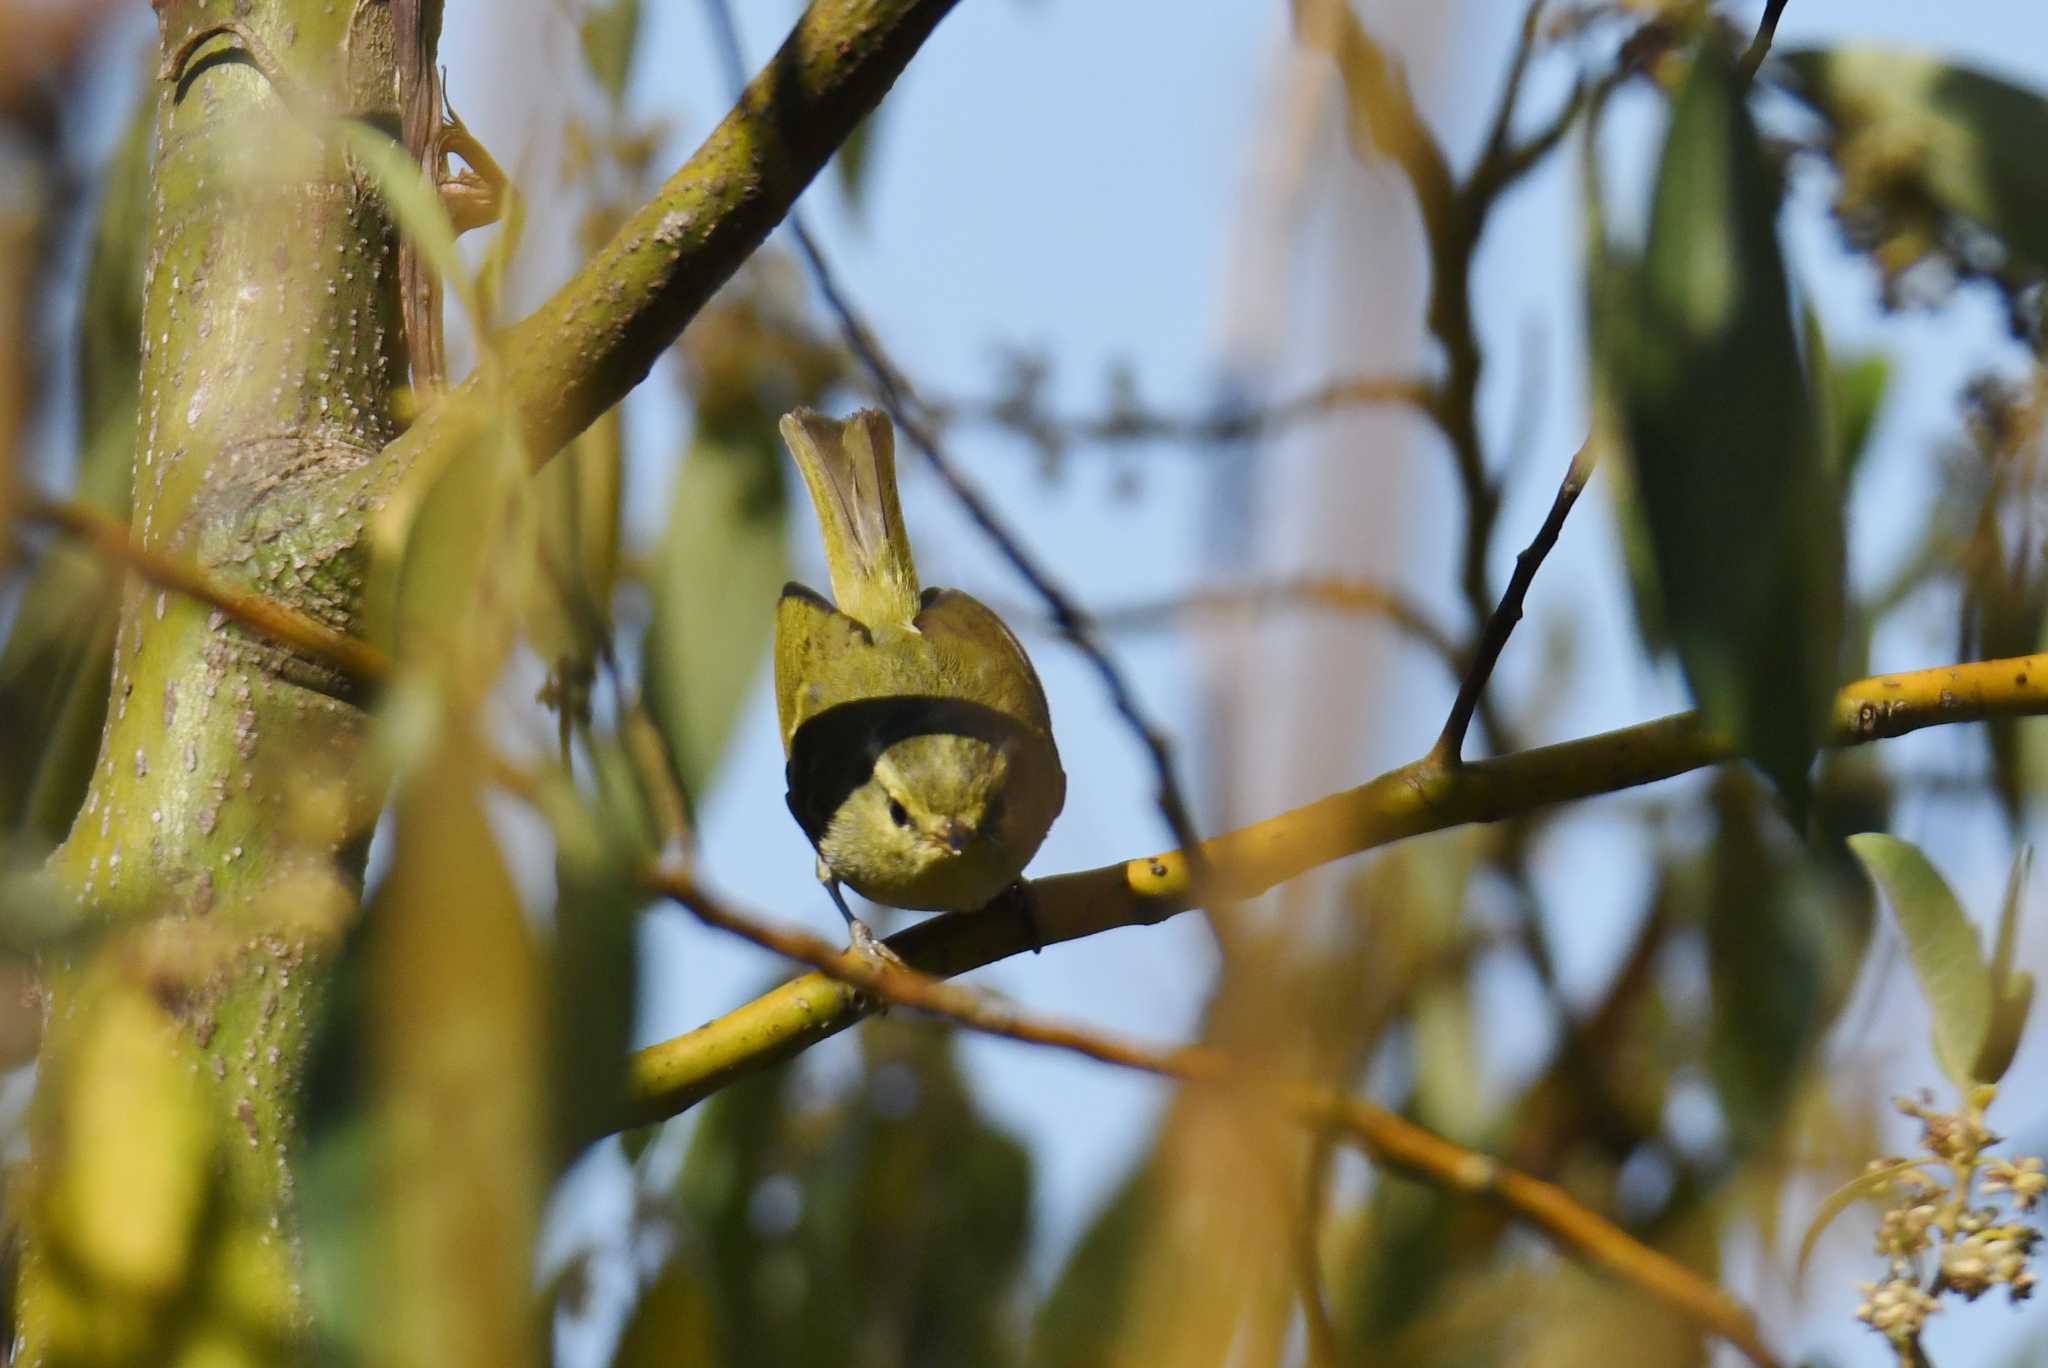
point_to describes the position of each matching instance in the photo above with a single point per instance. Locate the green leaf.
(59, 651)
(720, 566)
(611, 36)
(600, 842)
(671, 1326)
(1743, 521)
(1970, 142)
(1767, 956)
(855, 163)
(415, 205)
(895, 1214)
(2012, 991)
(1080, 1321)
(1866, 1184)
(1856, 389)
(464, 578)
(1943, 947)
(428, 1138)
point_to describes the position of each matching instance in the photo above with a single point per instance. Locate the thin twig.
(897, 397)
(1412, 800)
(1450, 744)
(1392, 1141)
(111, 538)
(1344, 596)
(1126, 426)
(1760, 46)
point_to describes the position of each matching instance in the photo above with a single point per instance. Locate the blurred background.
(1091, 235)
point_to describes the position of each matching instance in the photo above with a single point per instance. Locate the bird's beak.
(956, 834)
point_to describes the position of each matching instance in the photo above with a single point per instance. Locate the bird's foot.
(871, 947)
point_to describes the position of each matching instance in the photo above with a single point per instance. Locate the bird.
(920, 754)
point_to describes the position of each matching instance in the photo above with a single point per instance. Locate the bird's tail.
(850, 468)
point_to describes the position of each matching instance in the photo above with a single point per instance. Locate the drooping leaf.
(1743, 522)
(1866, 1184)
(896, 1216)
(721, 564)
(463, 580)
(1909, 124)
(54, 668)
(1857, 386)
(855, 162)
(611, 37)
(429, 1132)
(1767, 958)
(600, 844)
(2012, 990)
(1079, 1322)
(1947, 960)
(671, 1325)
(576, 547)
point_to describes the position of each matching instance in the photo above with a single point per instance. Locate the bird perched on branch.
(921, 755)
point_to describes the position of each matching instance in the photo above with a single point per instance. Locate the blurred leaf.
(1851, 392)
(1403, 1253)
(59, 651)
(720, 566)
(671, 1326)
(1079, 1323)
(600, 845)
(855, 163)
(887, 1228)
(1744, 525)
(415, 205)
(426, 1172)
(468, 561)
(611, 36)
(2012, 991)
(1907, 123)
(568, 612)
(1942, 945)
(1855, 392)
(1766, 954)
(1869, 1183)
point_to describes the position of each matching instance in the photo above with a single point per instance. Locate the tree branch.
(1500, 624)
(111, 538)
(597, 338)
(1420, 797)
(1390, 1140)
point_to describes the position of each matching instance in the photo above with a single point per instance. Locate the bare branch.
(1396, 1143)
(1501, 623)
(599, 335)
(1420, 797)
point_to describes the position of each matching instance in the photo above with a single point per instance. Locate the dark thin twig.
(1500, 624)
(1121, 427)
(898, 398)
(1343, 596)
(1760, 46)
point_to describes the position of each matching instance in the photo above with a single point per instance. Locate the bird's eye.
(898, 814)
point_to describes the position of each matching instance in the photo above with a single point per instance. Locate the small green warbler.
(921, 757)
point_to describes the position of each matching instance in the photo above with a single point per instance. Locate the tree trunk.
(215, 863)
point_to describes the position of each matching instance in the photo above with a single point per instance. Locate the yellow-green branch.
(584, 349)
(1389, 1139)
(1427, 795)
